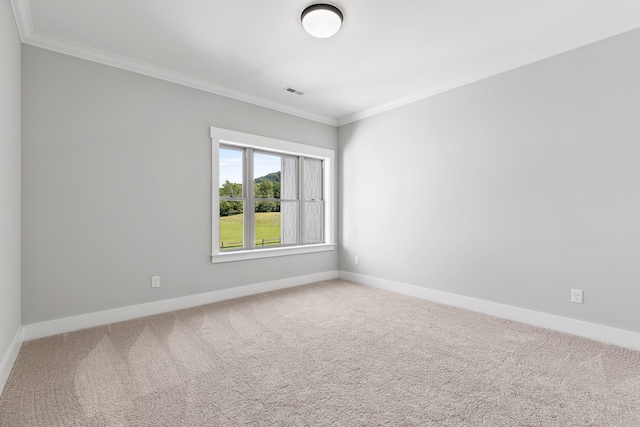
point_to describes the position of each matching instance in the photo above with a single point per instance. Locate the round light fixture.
(321, 20)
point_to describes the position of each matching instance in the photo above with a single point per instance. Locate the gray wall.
(9, 178)
(514, 189)
(117, 188)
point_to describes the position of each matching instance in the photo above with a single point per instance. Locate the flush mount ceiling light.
(321, 20)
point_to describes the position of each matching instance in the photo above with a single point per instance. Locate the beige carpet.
(331, 353)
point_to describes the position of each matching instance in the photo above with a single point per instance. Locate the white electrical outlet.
(357, 260)
(155, 282)
(576, 296)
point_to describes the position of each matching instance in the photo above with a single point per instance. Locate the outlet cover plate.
(576, 296)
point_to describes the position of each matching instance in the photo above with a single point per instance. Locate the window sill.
(271, 252)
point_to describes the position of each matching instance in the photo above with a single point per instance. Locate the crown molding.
(29, 36)
(24, 22)
(106, 58)
(22, 13)
(574, 41)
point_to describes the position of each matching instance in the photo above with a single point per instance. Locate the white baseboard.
(69, 324)
(606, 334)
(10, 358)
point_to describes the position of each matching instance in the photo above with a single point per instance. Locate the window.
(270, 197)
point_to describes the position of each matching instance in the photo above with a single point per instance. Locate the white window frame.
(228, 137)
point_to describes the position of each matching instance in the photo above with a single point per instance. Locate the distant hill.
(273, 177)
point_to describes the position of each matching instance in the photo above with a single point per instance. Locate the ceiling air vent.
(294, 90)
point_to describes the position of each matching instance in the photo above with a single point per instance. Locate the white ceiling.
(388, 53)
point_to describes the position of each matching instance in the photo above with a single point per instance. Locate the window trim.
(242, 140)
